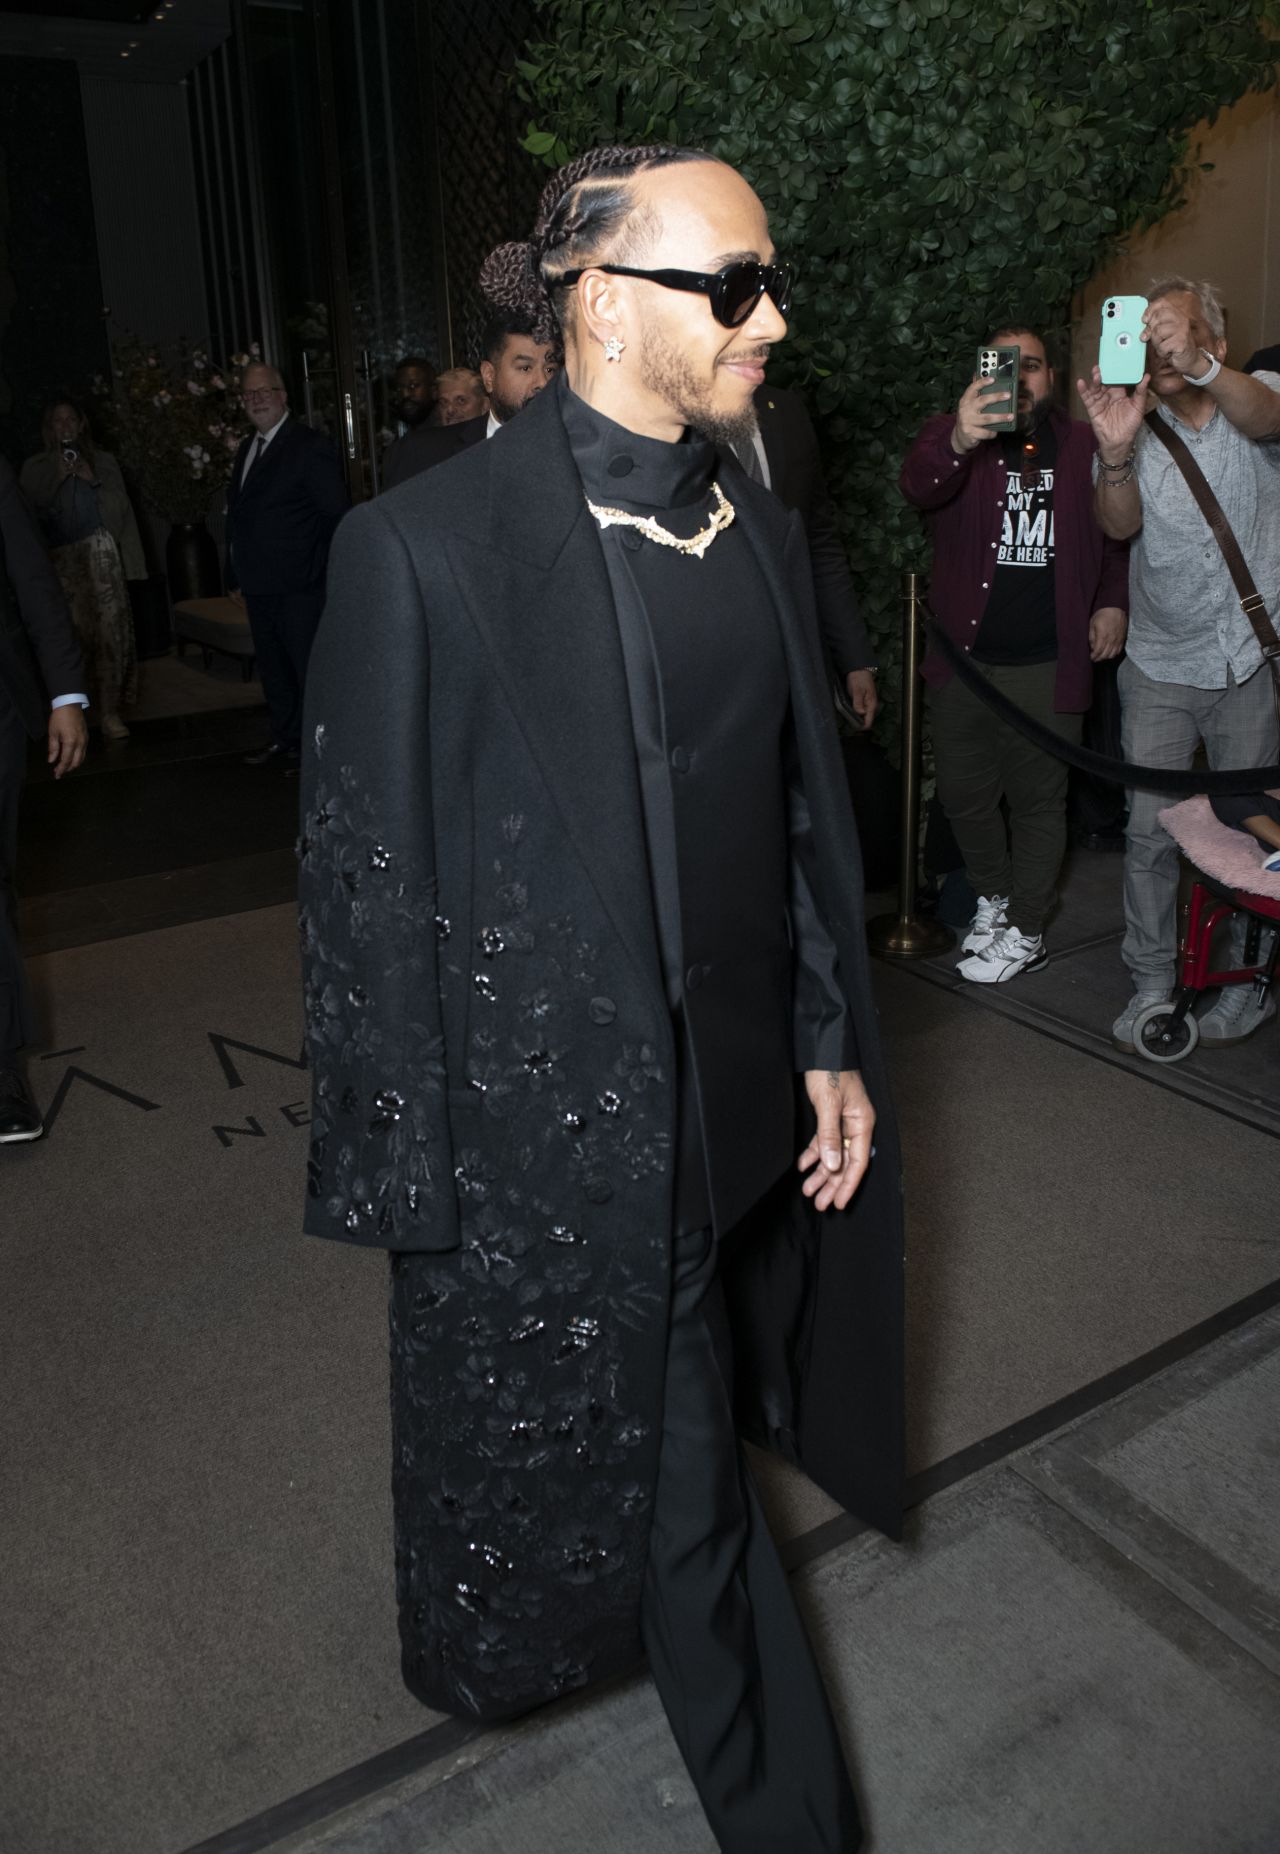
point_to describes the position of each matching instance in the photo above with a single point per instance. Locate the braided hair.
(581, 207)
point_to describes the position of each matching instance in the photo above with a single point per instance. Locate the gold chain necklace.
(697, 544)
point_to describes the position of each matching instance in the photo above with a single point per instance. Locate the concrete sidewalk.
(1077, 1652)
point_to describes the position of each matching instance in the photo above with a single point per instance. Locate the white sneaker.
(1009, 953)
(1142, 1000)
(989, 918)
(1271, 864)
(1235, 1015)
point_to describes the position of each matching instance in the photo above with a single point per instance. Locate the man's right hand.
(1115, 414)
(236, 596)
(68, 738)
(978, 415)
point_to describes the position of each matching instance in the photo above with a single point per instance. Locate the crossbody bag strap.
(1252, 603)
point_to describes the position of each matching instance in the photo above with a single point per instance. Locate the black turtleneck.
(710, 706)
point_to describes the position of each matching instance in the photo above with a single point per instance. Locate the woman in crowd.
(79, 494)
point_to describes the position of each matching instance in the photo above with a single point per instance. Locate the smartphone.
(1122, 353)
(999, 367)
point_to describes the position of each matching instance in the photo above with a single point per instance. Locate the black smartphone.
(998, 368)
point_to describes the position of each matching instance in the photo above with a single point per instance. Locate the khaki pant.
(981, 761)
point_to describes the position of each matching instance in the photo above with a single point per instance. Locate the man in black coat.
(41, 679)
(785, 457)
(593, 1049)
(515, 369)
(285, 498)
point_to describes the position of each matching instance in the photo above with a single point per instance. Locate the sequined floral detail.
(527, 1364)
(375, 1109)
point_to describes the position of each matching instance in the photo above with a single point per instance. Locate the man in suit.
(589, 1017)
(783, 454)
(284, 501)
(41, 681)
(515, 369)
(413, 397)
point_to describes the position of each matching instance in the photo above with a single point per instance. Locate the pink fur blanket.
(1231, 857)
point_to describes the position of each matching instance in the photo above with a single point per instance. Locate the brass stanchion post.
(903, 935)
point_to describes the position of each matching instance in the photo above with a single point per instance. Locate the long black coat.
(798, 480)
(476, 906)
(39, 655)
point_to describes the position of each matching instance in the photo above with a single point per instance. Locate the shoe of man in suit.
(19, 1116)
(280, 759)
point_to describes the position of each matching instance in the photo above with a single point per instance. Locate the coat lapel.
(536, 586)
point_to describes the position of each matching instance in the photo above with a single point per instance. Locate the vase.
(191, 562)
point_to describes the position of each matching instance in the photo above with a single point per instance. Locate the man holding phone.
(1026, 584)
(1194, 670)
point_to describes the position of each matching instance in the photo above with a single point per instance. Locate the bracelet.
(1116, 482)
(1215, 368)
(1122, 465)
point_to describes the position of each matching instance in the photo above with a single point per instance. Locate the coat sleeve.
(1113, 575)
(327, 484)
(120, 518)
(932, 473)
(41, 604)
(381, 1168)
(843, 632)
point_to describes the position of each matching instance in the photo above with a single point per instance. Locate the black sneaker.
(280, 758)
(19, 1115)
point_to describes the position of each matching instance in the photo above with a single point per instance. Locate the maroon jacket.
(963, 498)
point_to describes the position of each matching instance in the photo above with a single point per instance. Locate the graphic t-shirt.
(1020, 624)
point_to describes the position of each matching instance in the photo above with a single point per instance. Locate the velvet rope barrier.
(1219, 784)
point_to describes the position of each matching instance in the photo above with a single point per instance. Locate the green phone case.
(1000, 367)
(1122, 353)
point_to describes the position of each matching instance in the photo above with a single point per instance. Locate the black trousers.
(284, 626)
(17, 1012)
(726, 1646)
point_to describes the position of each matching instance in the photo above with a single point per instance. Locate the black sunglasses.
(734, 291)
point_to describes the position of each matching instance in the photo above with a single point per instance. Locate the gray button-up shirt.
(1185, 621)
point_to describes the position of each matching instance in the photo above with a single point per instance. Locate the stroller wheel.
(1159, 1037)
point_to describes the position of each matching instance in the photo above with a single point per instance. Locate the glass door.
(349, 206)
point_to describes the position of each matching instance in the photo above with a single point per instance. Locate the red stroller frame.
(1168, 1032)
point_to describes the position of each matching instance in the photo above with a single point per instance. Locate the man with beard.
(414, 391)
(1035, 619)
(413, 400)
(515, 368)
(1194, 674)
(593, 1048)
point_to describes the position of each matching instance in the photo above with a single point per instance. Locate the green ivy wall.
(935, 167)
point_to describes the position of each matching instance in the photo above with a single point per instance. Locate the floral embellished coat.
(494, 1073)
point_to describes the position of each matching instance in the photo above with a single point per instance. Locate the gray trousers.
(980, 760)
(1162, 725)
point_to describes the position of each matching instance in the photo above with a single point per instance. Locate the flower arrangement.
(175, 421)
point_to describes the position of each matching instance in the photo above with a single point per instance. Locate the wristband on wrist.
(1205, 379)
(1122, 465)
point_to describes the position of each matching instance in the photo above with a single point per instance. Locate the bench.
(214, 624)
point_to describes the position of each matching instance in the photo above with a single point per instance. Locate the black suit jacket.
(494, 1061)
(281, 520)
(39, 655)
(428, 446)
(796, 478)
